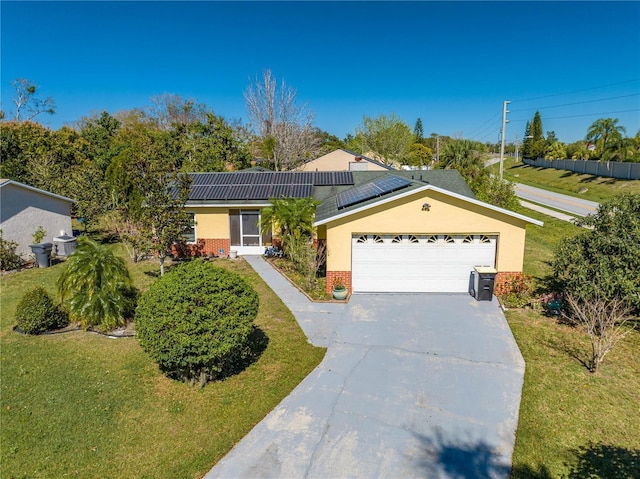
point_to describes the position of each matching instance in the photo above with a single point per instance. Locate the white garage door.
(418, 263)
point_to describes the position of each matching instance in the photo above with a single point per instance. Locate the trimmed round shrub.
(196, 321)
(36, 313)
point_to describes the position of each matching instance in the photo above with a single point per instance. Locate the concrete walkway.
(412, 385)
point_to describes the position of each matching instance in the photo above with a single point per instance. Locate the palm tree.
(606, 134)
(96, 287)
(287, 217)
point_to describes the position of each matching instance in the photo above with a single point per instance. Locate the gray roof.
(449, 180)
(247, 188)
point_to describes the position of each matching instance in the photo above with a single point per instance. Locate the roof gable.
(447, 182)
(5, 182)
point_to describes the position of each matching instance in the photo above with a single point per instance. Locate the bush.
(8, 258)
(36, 313)
(96, 287)
(519, 292)
(195, 321)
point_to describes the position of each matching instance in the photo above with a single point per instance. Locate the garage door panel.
(428, 263)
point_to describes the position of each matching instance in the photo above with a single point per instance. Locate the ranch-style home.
(344, 160)
(385, 231)
(24, 208)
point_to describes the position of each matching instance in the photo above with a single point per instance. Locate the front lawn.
(84, 405)
(572, 423)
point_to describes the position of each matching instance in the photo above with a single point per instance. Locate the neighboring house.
(24, 208)
(385, 231)
(344, 160)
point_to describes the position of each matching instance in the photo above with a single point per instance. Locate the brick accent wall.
(213, 246)
(205, 247)
(504, 280)
(344, 276)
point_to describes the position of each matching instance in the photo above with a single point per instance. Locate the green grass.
(566, 182)
(83, 405)
(568, 414)
(572, 423)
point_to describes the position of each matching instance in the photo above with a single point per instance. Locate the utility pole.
(504, 127)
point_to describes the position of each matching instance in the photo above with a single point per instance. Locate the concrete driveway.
(412, 385)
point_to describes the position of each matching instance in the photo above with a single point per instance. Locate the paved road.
(570, 204)
(412, 385)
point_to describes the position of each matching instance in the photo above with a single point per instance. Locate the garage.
(412, 263)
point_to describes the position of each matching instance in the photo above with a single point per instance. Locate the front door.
(245, 231)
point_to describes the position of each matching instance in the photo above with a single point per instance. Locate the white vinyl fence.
(611, 169)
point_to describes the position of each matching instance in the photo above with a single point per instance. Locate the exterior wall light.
(426, 207)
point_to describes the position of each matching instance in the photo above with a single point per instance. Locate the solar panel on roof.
(343, 178)
(378, 187)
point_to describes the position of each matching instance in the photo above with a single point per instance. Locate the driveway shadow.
(461, 459)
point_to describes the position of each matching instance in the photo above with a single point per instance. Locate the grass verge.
(84, 405)
(572, 423)
(566, 182)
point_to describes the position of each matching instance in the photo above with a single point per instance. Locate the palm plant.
(606, 134)
(96, 287)
(287, 217)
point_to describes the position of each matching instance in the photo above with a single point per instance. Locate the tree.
(170, 111)
(147, 188)
(280, 122)
(607, 136)
(419, 155)
(534, 144)
(328, 142)
(605, 321)
(96, 287)
(388, 138)
(99, 133)
(555, 151)
(418, 131)
(466, 157)
(604, 262)
(212, 145)
(27, 104)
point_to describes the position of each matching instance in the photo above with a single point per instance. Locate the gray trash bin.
(484, 278)
(42, 251)
(65, 245)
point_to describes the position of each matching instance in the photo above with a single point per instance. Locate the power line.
(586, 114)
(481, 128)
(580, 102)
(576, 91)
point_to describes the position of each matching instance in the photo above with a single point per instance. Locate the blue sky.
(449, 63)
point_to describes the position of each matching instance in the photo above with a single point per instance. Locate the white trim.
(37, 190)
(427, 188)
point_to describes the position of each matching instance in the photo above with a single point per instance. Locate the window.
(413, 239)
(397, 239)
(467, 239)
(361, 239)
(377, 239)
(448, 239)
(189, 234)
(485, 239)
(432, 239)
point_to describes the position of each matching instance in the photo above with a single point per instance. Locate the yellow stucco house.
(385, 231)
(344, 160)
